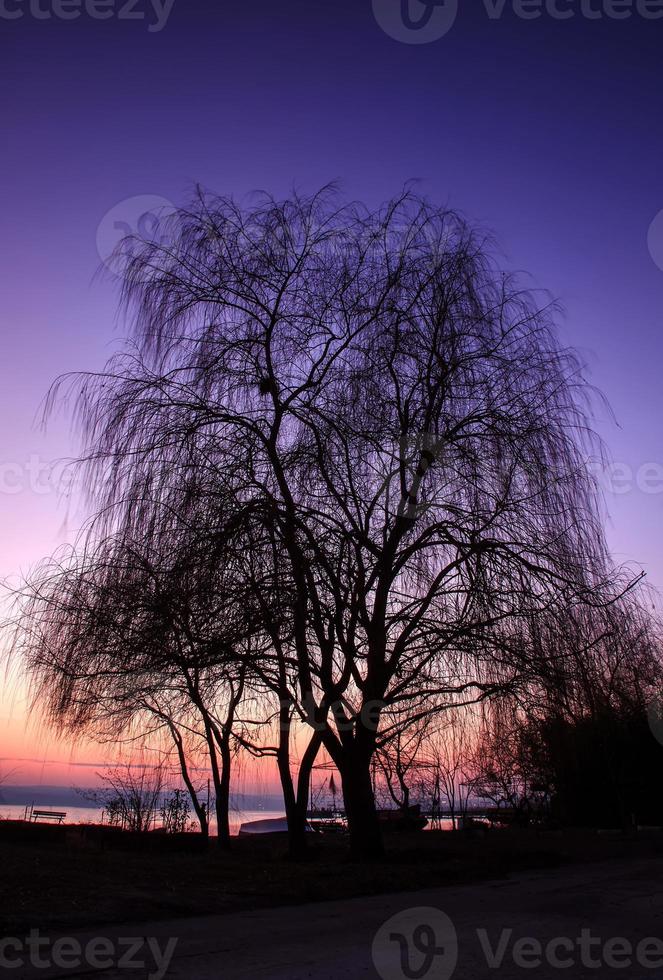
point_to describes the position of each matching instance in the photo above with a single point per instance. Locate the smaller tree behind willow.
(131, 796)
(129, 641)
(174, 812)
(450, 777)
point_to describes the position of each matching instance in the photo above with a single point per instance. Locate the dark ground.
(339, 940)
(65, 878)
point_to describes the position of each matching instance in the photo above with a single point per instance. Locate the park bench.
(56, 815)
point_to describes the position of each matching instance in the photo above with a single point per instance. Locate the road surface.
(577, 922)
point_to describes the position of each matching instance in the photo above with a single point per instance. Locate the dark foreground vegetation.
(72, 877)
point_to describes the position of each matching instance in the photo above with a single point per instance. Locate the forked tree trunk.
(295, 812)
(296, 799)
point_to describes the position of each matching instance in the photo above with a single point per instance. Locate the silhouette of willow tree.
(402, 420)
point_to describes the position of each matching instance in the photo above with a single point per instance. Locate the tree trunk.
(201, 813)
(297, 843)
(295, 811)
(365, 831)
(296, 801)
(223, 793)
(221, 797)
(296, 830)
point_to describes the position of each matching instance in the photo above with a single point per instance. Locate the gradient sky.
(548, 132)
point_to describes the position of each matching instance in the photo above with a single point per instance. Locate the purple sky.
(548, 132)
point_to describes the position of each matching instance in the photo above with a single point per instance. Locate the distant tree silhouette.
(579, 747)
(126, 639)
(174, 812)
(401, 759)
(401, 421)
(131, 796)
(450, 776)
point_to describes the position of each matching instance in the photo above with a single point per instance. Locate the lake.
(86, 814)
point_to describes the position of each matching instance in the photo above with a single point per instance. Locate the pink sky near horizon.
(30, 755)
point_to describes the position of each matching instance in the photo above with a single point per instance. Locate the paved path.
(335, 940)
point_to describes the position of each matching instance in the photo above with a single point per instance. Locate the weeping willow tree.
(405, 426)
